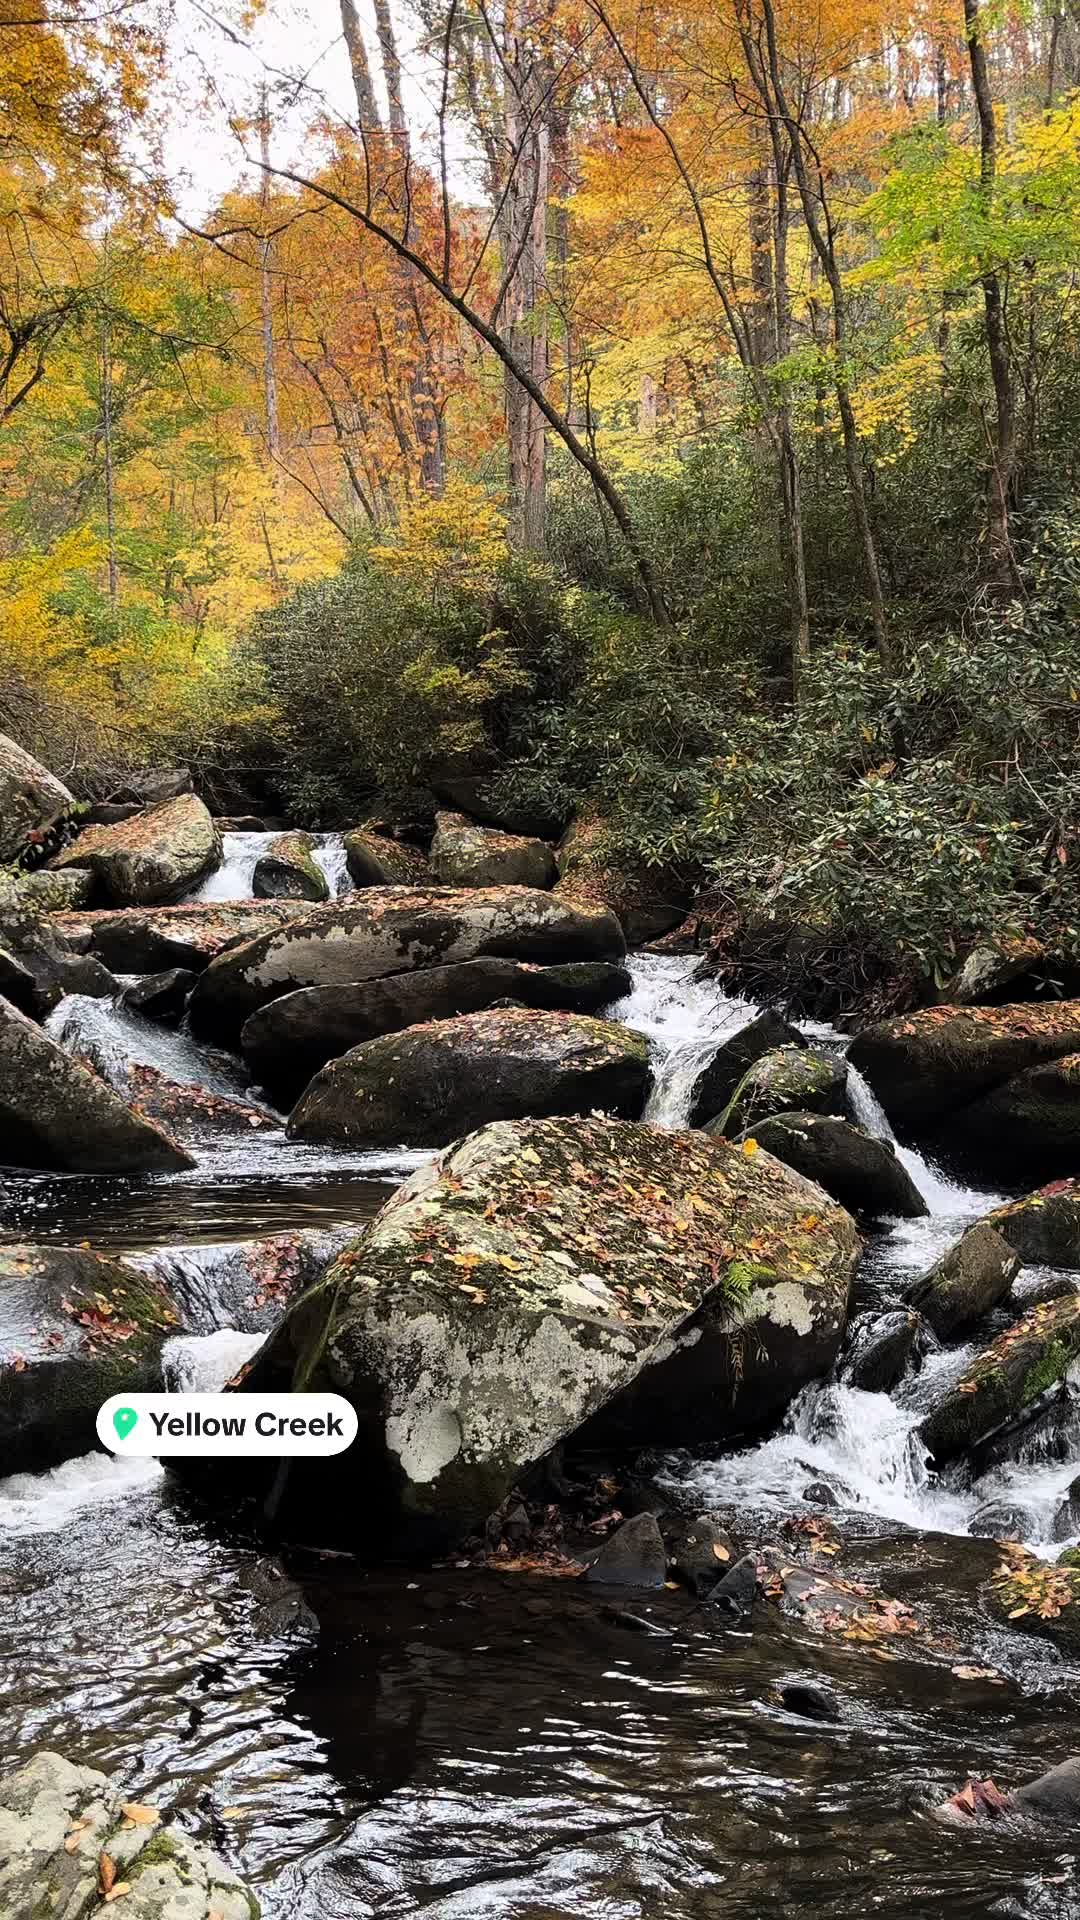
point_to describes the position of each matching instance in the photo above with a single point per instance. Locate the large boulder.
(152, 939)
(647, 903)
(732, 1060)
(967, 1282)
(788, 1080)
(990, 967)
(76, 1327)
(1044, 1226)
(47, 892)
(862, 1173)
(465, 855)
(288, 870)
(428, 1084)
(515, 1285)
(478, 796)
(1005, 1379)
(37, 964)
(287, 1041)
(55, 1113)
(1033, 1119)
(32, 799)
(71, 1845)
(374, 860)
(159, 855)
(929, 1063)
(395, 930)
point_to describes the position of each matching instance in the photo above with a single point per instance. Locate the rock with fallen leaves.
(1033, 1120)
(862, 1173)
(72, 1843)
(55, 1112)
(465, 855)
(160, 854)
(925, 1064)
(1036, 1595)
(374, 860)
(288, 870)
(149, 939)
(1044, 1227)
(969, 1280)
(430, 1084)
(528, 1277)
(38, 966)
(1005, 1379)
(32, 799)
(77, 1328)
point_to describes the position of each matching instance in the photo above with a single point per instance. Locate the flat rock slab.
(155, 856)
(929, 1063)
(152, 939)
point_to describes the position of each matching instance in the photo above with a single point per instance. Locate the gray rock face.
(155, 856)
(465, 855)
(31, 798)
(633, 1556)
(288, 871)
(56, 892)
(374, 860)
(1054, 1796)
(431, 1083)
(151, 939)
(391, 930)
(967, 1282)
(286, 1042)
(160, 996)
(37, 964)
(55, 1113)
(926, 1064)
(864, 1174)
(989, 968)
(515, 1285)
(64, 1838)
(716, 1084)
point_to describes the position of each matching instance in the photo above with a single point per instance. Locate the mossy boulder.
(151, 939)
(932, 1062)
(787, 1080)
(54, 1112)
(465, 855)
(374, 860)
(286, 1042)
(59, 1821)
(159, 855)
(56, 892)
(1043, 1227)
(428, 1084)
(32, 800)
(516, 1285)
(38, 965)
(730, 1063)
(288, 870)
(75, 1328)
(967, 1283)
(1033, 1119)
(1008, 1377)
(862, 1173)
(393, 930)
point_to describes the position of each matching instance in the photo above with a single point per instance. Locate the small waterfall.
(684, 1019)
(866, 1109)
(114, 1039)
(241, 853)
(206, 1362)
(329, 856)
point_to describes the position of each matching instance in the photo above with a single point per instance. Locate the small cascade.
(48, 1502)
(866, 1109)
(115, 1040)
(329, 856)
(206, 1362)
(684, 1019)
(242, 1286)
(241, 853)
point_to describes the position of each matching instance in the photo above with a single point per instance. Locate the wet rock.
(428, 1084)
(77, 1328)
(374, 860)
(1066, 1522)
(465, 855)
(633, 1556)
(990, 967)
(731, 1062)
(240, 823)
(1033, 1119)
(862, 1173)
(647, 904)
(244, 1285)
(967, 1282)
(289, 871)
(514, 1285)
(1035, 1289)
(156, 856)
(1009, 1376)
(160, 996)
(32, 799)
(926, 1064)
(1054, 1796)
(150, 939)
(279, 1610)
(1045, 1432)
(786, 1080)
(1003, 1520)
(58, 1821)
(286, 1042)
(193, 1113)
(56, 892)
(1044, 1227)
(812, 1702)
(733, 1596)
(819, 1494)
(700, 1551)
(1036, 1596)
(55, 1113)
(38, 966)
(391, 931)
(880, 1349)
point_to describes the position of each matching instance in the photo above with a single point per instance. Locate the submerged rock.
(862, 1173)
(54, 1112)
(633, 1556)
(374, 860)
(391, 930)
(785, 1080)
(32, 799)
(77, 1327)
(155, 856)
(64, 1832)
(516, 1284)
(287, 1041)
(700, 1551)
(465, 855)
(151, 939)
(926, 1064)
(968, 1281)
(288, 871)
(1003, 1520)
(732, 1061)
(1010, 1375)
(429, 1084)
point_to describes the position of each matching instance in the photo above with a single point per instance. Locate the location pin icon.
(125, 1420)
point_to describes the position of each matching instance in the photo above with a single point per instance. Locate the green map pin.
(125, 1420)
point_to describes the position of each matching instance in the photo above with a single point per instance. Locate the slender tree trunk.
(1002, 474)
(107, 446)
(523, 236)
(273, 435)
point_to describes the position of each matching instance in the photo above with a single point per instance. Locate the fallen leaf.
(139, 1815)
(106, 1873)
(749, 1147)
(720, 1552)
(118, 1891)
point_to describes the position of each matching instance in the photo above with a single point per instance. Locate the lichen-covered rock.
(394, 930)
(864, 1174)
(76, 1328)
(59, 1823)
(37, 964)
(1026, 1360)
(56, 1113)
(788, 1080)
(287, 1041)
(31, 798)
(1044, 1226)
(734, 1058)
(150, 939)
(990, 967)
(513, 1286)
(647, 904)
(1033, 1119)
(159, 855)
(49, 892)
(289, 871)
(374, 860)
(465, 855)
(968, 1281)
(425, 1086)
(929, 1063)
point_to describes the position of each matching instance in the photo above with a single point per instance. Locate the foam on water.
(241, 852)
(47, 1502)
(115, 1040)
(206, 1362)
(684, 1019)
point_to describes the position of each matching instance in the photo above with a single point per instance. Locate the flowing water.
(241, 853)
(483, 1746)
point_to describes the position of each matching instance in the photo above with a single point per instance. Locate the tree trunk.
(273, 436)
(1002, 475)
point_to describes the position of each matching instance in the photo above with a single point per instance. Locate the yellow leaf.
(749, 1147)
